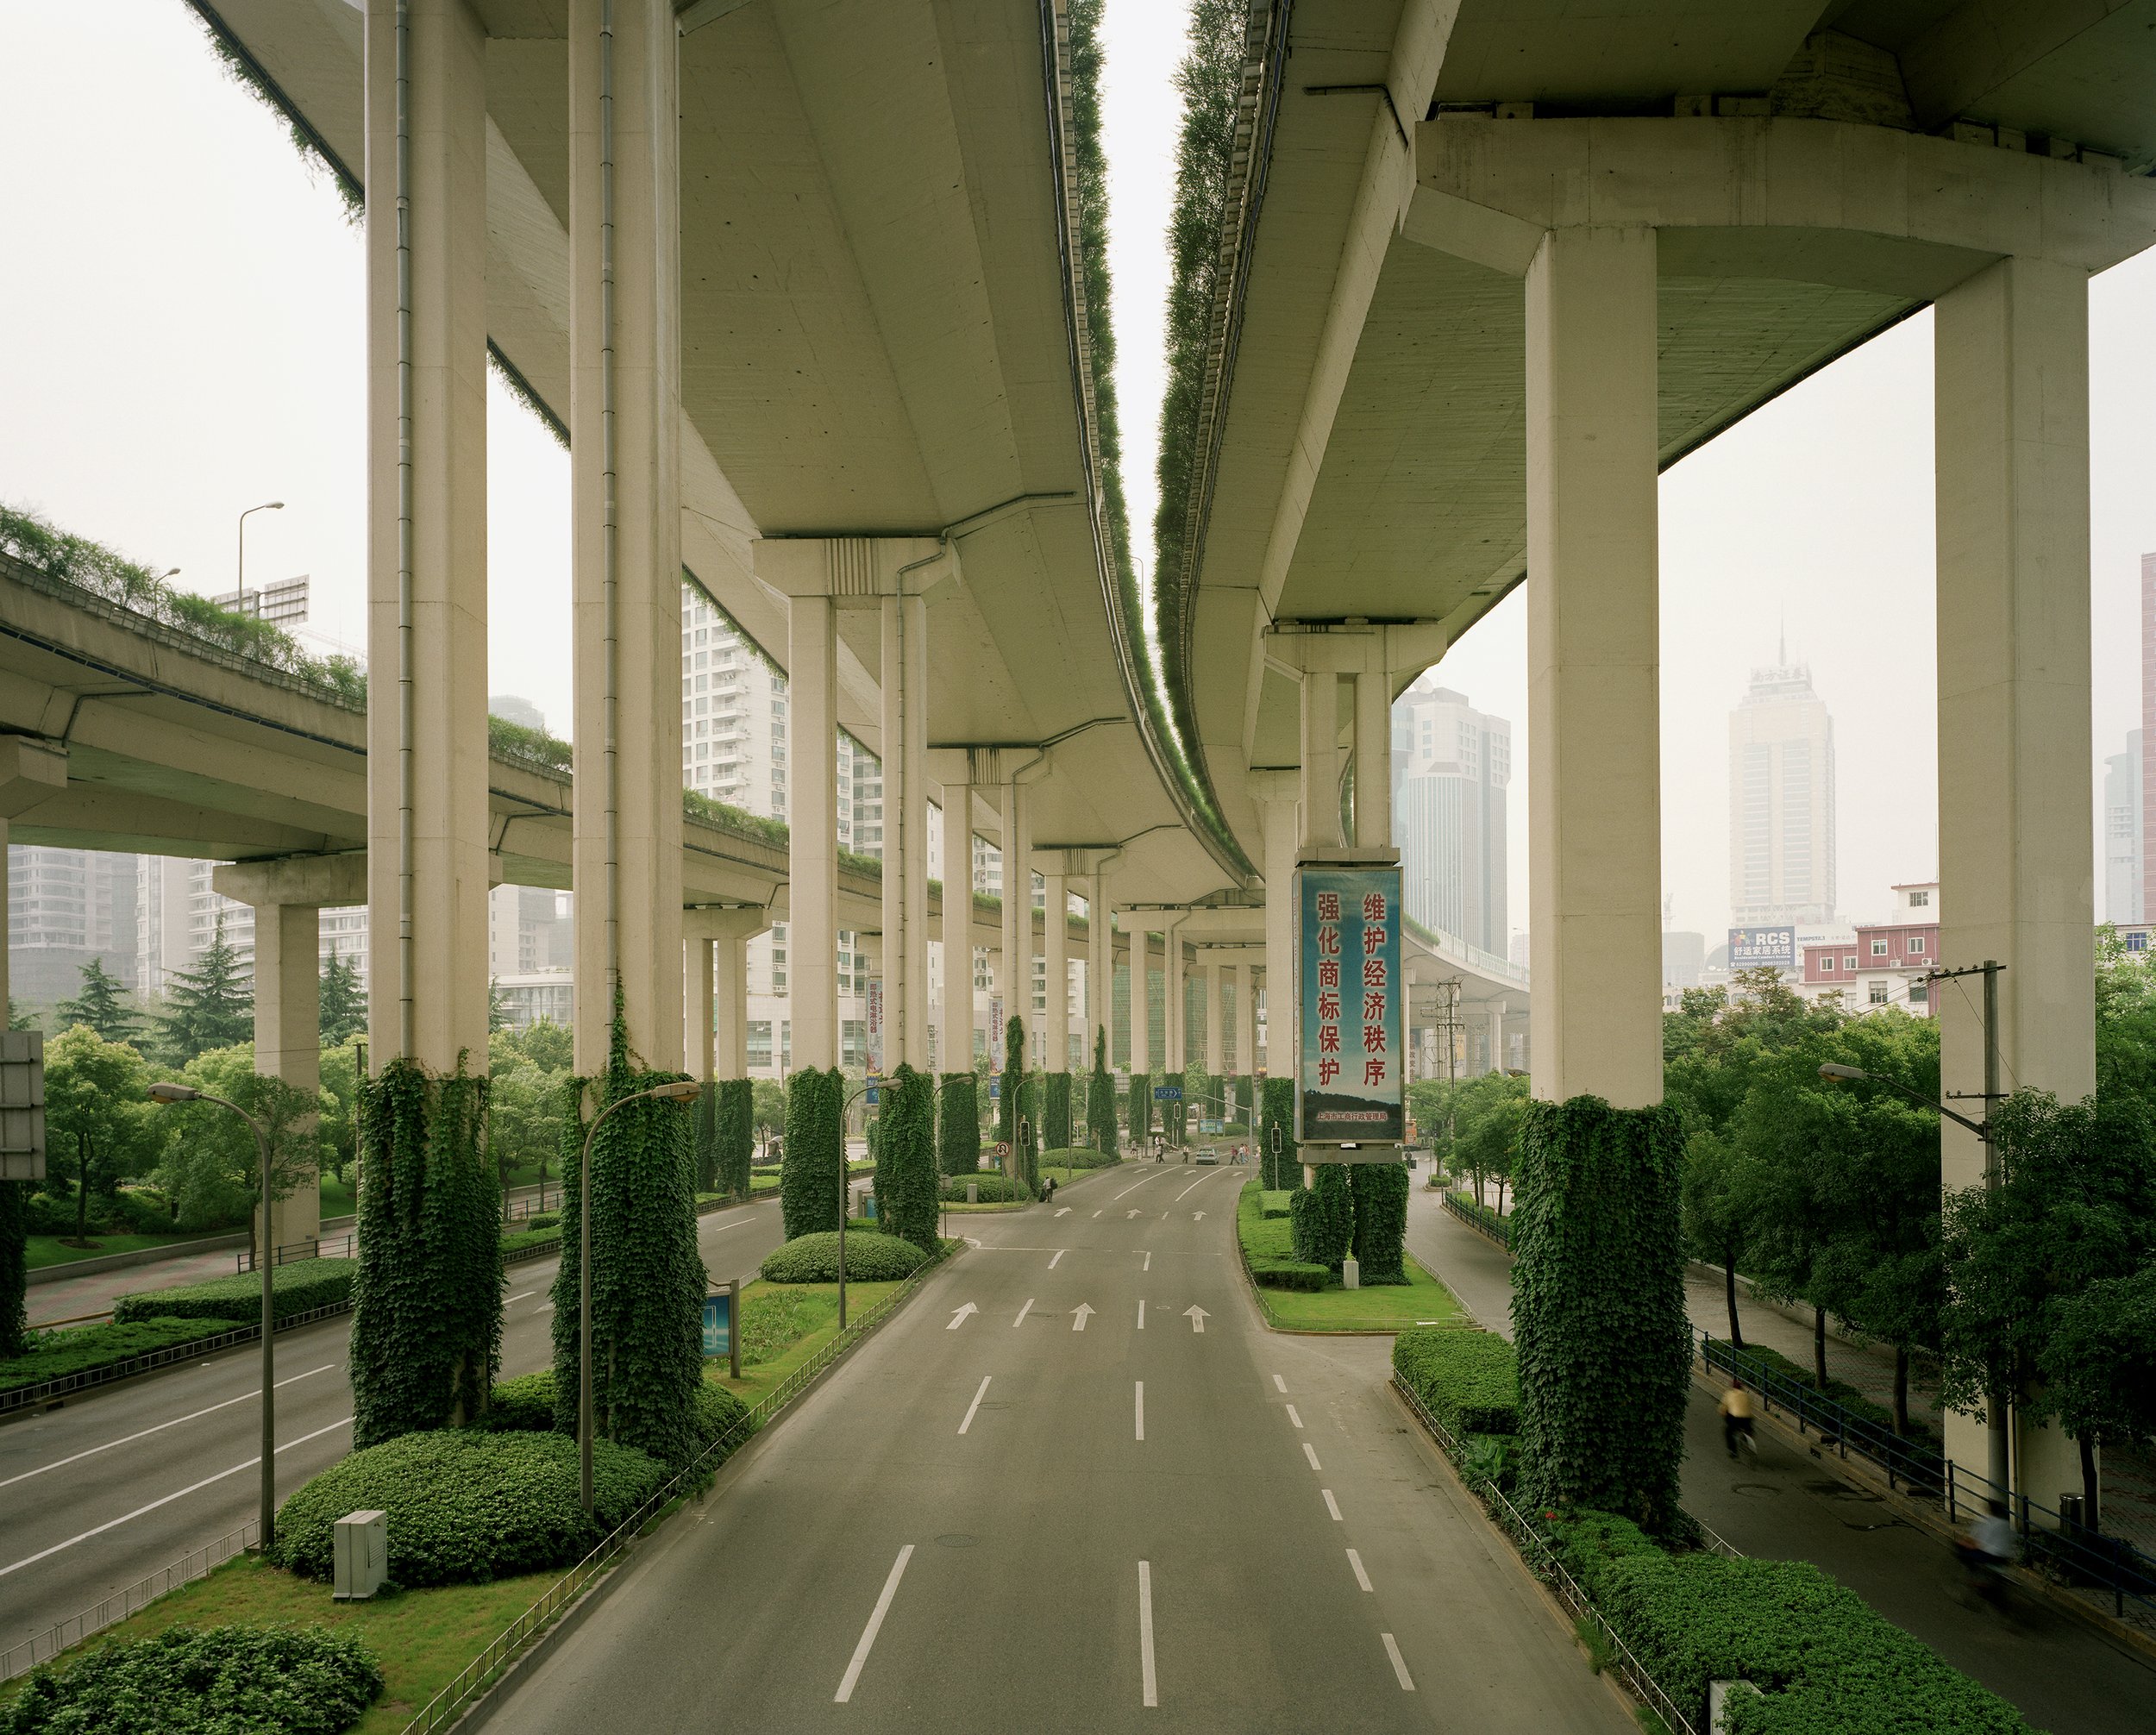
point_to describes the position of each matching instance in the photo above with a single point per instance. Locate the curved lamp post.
(846, 1186)
(267, 506)
(680, 1090)
(169, 1092)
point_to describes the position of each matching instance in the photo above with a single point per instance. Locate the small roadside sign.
(1168, 1092)
(1003, 1148)
(718, 1323)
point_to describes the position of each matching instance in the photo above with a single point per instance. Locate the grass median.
(1422, 1300)
(43, 1250)
(783, 1324)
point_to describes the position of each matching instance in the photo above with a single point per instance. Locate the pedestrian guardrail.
(29, 1397)
(1914, 1465)
(2063, 1549)
(20, 1659)
(1480, 1218)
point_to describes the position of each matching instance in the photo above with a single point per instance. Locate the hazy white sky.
(181, 336)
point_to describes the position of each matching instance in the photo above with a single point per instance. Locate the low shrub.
(1078, 1157)
(1288, 1273)
(298, 1287)
(523, 1405)
(551, 1219)
(870, 1258)
(522, 1240)
(1470, 1380)
(1272, 1202)
(58, 1354)
(989, 1188)
(718, 1410)
(205, 1681)
(466, 1505)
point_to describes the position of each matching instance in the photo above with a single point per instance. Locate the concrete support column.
(288, 1035)
(1246, 1021)
(1373, 761)
(698, 1055)
(1099, 967)
(1495, 1037)
(1321, 760)
(1216, 1062)
(1595, 817)
(625, 463)
(729, 1004)
(1014, 972)
(1055, 951)
(904, 694)
(426, 470)
(1141, 1000)
(812, 830)
(954, 1019)
(2011, 349)
(1276, 793)
(1175, 1035)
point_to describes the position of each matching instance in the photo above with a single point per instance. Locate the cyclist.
(1737, 1417)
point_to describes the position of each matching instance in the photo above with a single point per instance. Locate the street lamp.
(846, 1190)
(164, 1091)
(267, 506)
(680, 1090)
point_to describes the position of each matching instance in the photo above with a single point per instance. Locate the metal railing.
(1540, 1556)
(1479, 1218)
(2059, 1549)
(20, 1659)
(484, 1669)
(26, 1397)
(1911, 1465)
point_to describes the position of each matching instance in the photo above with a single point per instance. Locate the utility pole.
(1999, 1463)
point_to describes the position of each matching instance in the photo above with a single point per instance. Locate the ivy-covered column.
(954, 1016)
(1598, 1307)
(1055, 955)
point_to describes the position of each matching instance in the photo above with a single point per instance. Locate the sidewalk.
(1789, 1504)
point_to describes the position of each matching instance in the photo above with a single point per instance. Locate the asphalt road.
(1042, 1498)
(123, 1482)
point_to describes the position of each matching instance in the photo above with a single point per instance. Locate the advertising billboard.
(1752, 948)
(1352, 1074)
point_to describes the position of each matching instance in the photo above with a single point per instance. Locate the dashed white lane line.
(1058, 1259)
(125, 1517)
(1149, 1259)
(869, 1633)
(521, 1295)
(1331, 1505)
(1400, 1667)
(1362, 1578)
(129, 1439)
(1294, 1417)
(1311, 1452)
(1141, 1409)
(975, 1405)
(1192, 1188)
(1145, 1634)
(1022, 1312)
(1096, 1213)
(1141, 1316)
(1279, 1385)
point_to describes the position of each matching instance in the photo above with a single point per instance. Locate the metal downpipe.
(610, 569)
(407, 948)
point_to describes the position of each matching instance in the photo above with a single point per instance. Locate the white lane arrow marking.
(1058, 1259)
(958, 1318)
(1197, 1316)
(1197, 1216)
(1079, 1315)
(1129, 1213)
(1063, 1211)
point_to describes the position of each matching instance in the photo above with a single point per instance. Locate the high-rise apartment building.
(2147, 802)
(65, 908)
(2124, 849)
(1450, 764)
(1781, 800)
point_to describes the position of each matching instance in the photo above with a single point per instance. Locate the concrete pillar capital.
(319, 881)
(850, 570)
(724, 921)
(30, 771)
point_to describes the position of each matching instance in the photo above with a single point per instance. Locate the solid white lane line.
(1058, 1259)
(1190, 1189)
(1141, 1409)
(1141, 1316)
(1311, 1452)
(1400, 1666)
(521, 1295)
(1145, 1632)
(869, 1633)
(1279, 1385)
(1149, 1259)
(125, 1517)
(1022, 1312)
(1293, 1416)
(128, 1439)
(1330, 1505)
(975, 1405)
(1362, 1578)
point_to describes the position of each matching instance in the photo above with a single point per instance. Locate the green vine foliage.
(1101, 1099)
(1379, 1190)
(1284, 1170)
(1141, 1110)
(1056, 1112)
(15, 1269)
(1029, 1148)
(1321, 1217)
(1598, 1307)
(734, 1134)
(1010, 1101)
(958, 1125)
(647, 1281)
(906, 1166)
(808, 1168)
(705, 1138)
(427, 1301)
(1245, 1099)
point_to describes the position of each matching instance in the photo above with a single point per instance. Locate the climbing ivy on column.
(1056, 1112)
(814, 1155)
(958, 1128)
(1598, 1307)
(905, 1170)
(15, 1268)
(1141, 1111)
(734, 1135)
(1029, 1148)
(427, 1299)
(647, 1281)
(1321, 1217)
(707, 1137)
(1009, 1103)
(1284, 1170)
(1379, 1190)
(1245, 1100)
(1101, 1099)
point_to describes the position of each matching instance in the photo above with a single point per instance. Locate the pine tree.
(1101, 1099)
(211, 1006)
(102, 1004)
(496, 1006)
(343, 1002)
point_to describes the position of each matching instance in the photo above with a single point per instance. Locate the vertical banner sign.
(875, 1024)
(718, 1323)
(995, 1033)
(1351, 1087)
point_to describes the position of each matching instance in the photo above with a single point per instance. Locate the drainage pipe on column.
(407, 948)
(610, 570)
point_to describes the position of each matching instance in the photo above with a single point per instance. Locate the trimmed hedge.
(205, 1681)
(84, 1347)
(1273, 1202)
(1287, 1273)
(990, 1187)
(298, 1287)
(870, 1258)
(1078, 1156)
(466, 1505)
(523, 1405)
(1826, 1663)
(1469, 1380)
(958, 1124)
(544, 1219)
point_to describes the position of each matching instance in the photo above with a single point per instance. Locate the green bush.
(205, 1681)
(958, 1124)
(989, 1188)
(870, 1258)
(1078, 1157)
(466, 1505)
(523, 1406)
(298, 1287)
(1381, 1220)
(541, 1219)
(1470, 1380)
(717, 1411)
(58, 1354)
(1287, 1273)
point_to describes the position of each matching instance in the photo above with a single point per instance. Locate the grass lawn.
(81, 1348)
(421, 1638)
(785, 1323)
(1422, 1301)
(46, 1250)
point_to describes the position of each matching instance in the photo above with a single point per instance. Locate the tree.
(524, 1119)
(343, 1014)
(497, 1006)
(1486, 1119)
(552, 1049)
(208, 1007)
(2098, 1366)
(337, 1132)
(1717, 1210)
(102, 1006)
(95, 1107)
(211, 1169)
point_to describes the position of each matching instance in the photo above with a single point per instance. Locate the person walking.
(1737, 1417)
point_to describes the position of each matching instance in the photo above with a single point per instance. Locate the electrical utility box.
(22, 1105)
(360, 1556)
